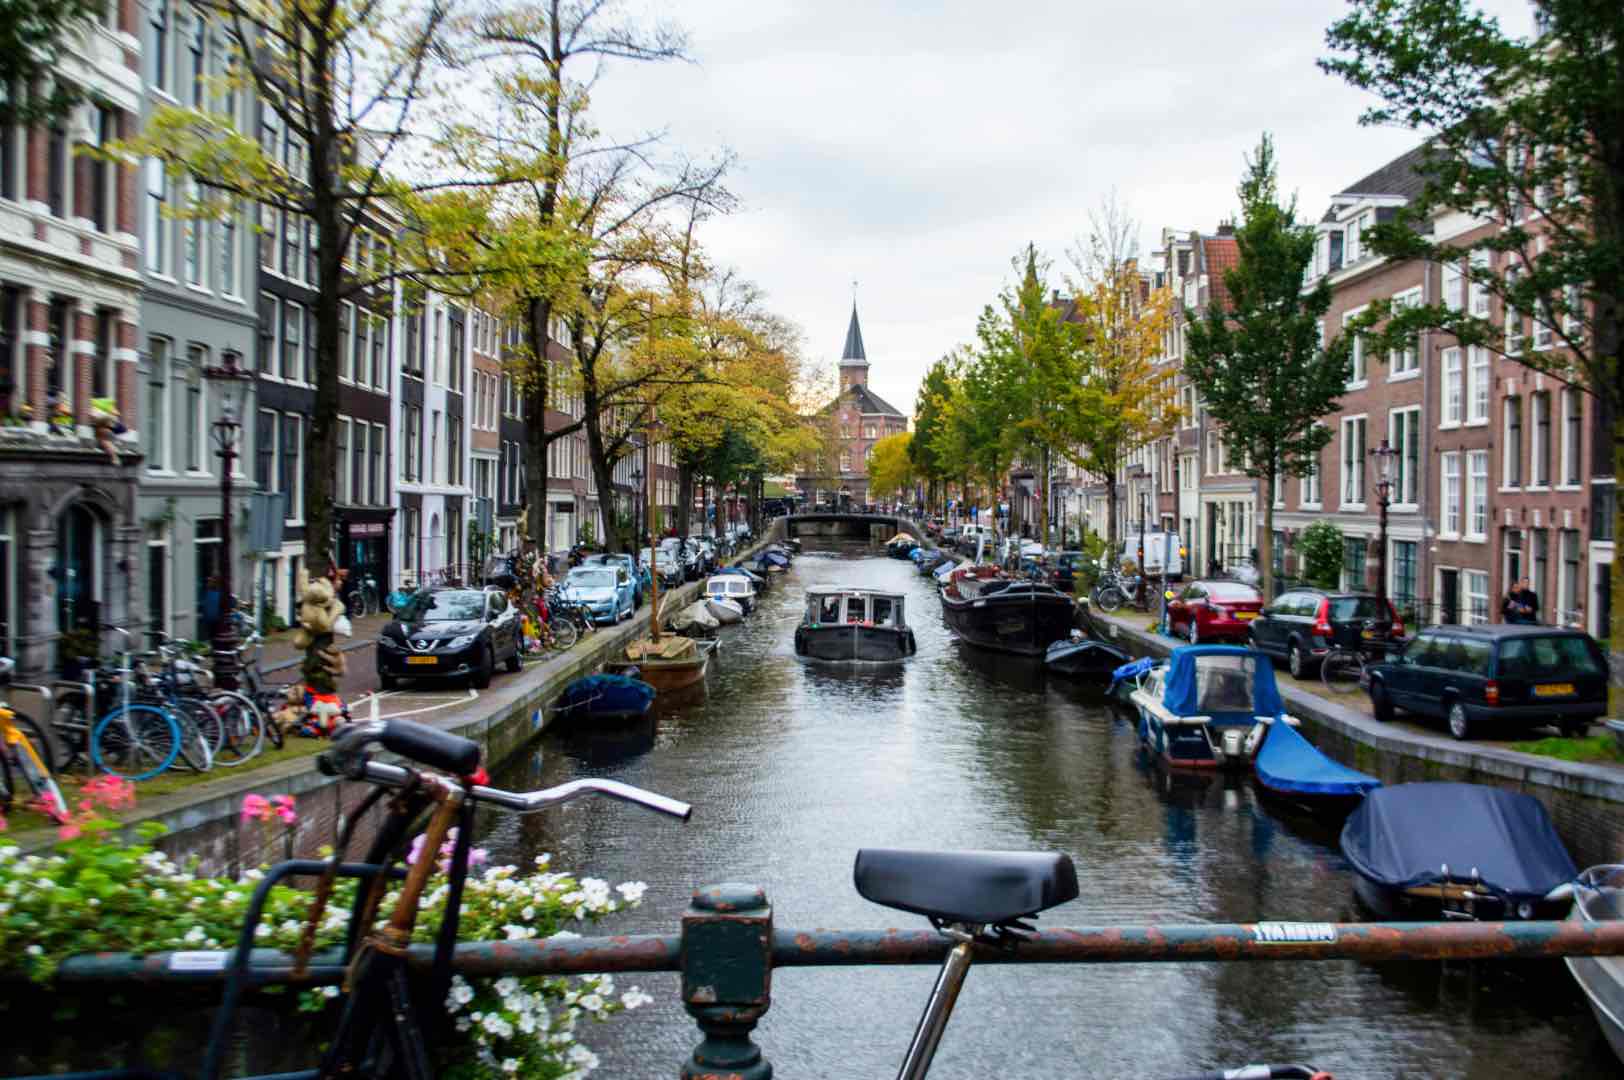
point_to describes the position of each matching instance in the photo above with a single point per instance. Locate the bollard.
(727, 943)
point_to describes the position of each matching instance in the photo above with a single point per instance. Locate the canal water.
(792, 768)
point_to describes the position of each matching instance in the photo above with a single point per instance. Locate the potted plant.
(77, 650)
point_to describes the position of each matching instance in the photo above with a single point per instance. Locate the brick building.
(860, 418)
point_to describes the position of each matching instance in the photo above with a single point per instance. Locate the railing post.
(727, 941)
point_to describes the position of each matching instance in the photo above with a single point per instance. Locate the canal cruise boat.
(854, 624)
(992, 610)
(1208, 707)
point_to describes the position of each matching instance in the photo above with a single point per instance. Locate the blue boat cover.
(1290, 763)
(619, 695)
(1402, 836)
(944, 571)
(1226, 682)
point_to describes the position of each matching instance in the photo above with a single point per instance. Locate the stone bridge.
(874, 528)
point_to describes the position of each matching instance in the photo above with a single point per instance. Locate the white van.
(1159, 545)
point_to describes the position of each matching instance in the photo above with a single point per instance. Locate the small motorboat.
(1208, 707)
(723, 610)
(901, 546)
(1292, 768)
(1459, 851)
(854, 624)
(605, 698)
(695, 618)
(1084, 658)
(740, 590)
(740, 569)
(944, 571)
(1598, 896)
(667, 663)
(1131, 676)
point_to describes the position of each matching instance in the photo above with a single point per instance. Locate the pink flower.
(286, 814)
(255, 808)
(477, 857)
(70, 831)
(417, 849)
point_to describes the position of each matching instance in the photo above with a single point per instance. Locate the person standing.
(1521, 605)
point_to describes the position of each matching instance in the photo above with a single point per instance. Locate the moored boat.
(1290, 767)
(604, 698)
(735, 587)
(854, 624)
(1081, 657)
(667, 663)
(992, 611)
(1598, 896)
(901, 546)
(1208, 706)
(1457, 851)
(723, 610)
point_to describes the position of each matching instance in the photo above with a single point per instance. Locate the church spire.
(853, 352)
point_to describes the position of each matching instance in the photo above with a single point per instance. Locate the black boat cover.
(1403, 836)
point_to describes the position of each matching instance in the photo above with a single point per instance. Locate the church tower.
(853, 360)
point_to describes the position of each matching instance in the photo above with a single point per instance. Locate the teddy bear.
(104, 418)
(322, 620)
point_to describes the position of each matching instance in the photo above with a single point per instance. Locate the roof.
(854, 341)
(870, 403)
(1219, 254)
(1504, 630)
(1399, 178)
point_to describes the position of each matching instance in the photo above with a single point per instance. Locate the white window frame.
(341, 482)
(1454, 287)
(1571, 467)
(1450, 490)
(1405, 364)
(1511, 450)
(1408, 415)
(1479, 386)
(1539, 446)
(1511, 317)
(1359, 375)
(1477, 496)
(1478, 294)
(1451, 388)
(1351, 469)
(1474, 584)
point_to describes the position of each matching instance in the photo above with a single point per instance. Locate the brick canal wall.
(1585, 801)
(205, 821)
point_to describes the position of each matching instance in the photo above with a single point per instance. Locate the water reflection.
(792, 767)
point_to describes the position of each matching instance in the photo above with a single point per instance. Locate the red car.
(1213, 611)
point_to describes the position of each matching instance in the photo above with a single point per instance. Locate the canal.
(792, 768)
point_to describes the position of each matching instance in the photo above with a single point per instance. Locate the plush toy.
(105, 420)
(322, 621)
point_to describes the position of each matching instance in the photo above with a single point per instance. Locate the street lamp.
(1384, 455)
(226, 430)
(637, 508)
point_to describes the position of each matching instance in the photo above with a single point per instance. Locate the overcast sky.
(916, 147)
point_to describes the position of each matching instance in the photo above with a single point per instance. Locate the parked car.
(639, 573)
(1211, 610)
(1067, 568)
(1473, 675)
(665, 563)
(1300, 626)
(605, 592)
(449, 633)
(686, 554)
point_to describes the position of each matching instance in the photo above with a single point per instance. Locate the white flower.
(528, 913)
(461, 992)
(262, 930)
(45, 883)
(194, 935)
(592, 1003)
(563, 935)
(329, 991)
(516, 932)
(635, 998)
(34, 950)
(584, 1058)
(463, 1023)
(632, 890)
(507, 986)
(510, 1065)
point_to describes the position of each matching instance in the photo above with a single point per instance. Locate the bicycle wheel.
(1111, 598)
(28, 753)
(243, 727)
(268, 702)
(564, 632)
(1342, 672)
(196, 745)
(71, 719)
(136, 742)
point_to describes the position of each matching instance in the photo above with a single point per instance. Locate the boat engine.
(1233, 744)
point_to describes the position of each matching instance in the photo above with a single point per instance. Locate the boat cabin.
(854, 624)
(853, 606)
(732, 587)
(1208, 706)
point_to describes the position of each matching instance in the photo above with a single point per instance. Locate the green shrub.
(1321, 547)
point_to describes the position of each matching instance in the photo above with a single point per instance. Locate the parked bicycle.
(27, 758)
(567, 620)
(1343, 669)
(1116, 589)
(364, 597)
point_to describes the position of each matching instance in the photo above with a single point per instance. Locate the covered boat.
(1084, 658)
(695, 618)
(990, 610)
(755, 579)
(605, 698)
(740, 590)
(1464, 851)
(944, 571)
(901, 546)
(854, 624)
(725, 611)
(1598, 896)
(1208, 707)
(1294, 769)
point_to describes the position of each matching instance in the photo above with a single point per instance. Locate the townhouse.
(71, 533)
(432, 432)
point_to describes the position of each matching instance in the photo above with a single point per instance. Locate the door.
(1449, 597)
(1269, 628)
(1408, 669)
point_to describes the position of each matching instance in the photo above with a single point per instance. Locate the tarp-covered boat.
(1208, 707)
(695, 617)
(1598, 897)
(605, 697)
(1084, 658)
(1467, 850)
(1293, 768)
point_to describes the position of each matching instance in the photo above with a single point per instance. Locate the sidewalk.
(279, 651)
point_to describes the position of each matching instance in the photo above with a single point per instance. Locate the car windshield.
(1548, 657)
(1232, 592)
(592, 579)
(459, 606)
(1345, 608)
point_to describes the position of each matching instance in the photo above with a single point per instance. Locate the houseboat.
(854, 624)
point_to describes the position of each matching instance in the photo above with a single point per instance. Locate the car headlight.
(1525, 910)
(461, 642)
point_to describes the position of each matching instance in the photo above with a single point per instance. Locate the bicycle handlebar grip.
(430, 746)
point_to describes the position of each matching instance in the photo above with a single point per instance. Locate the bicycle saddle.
(975, 887)
(430, 746)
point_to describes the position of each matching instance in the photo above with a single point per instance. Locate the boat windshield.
(883, 615)
(1224, 684)
(856, 609)
(828, 609)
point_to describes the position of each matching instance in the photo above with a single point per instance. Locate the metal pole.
(928, 1035)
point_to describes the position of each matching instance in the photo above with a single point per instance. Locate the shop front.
(363, 551)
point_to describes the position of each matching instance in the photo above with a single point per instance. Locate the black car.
(1469, 675)
(1067, 564)
(1302, 625)
(449, 633)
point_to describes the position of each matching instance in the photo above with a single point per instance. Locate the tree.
(890, 469)
(1125, 399)
(1258, 362)
(31, 34)
(1322, 548)
(927, 462)
(1526, 134)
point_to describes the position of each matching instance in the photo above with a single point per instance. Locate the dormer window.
(1334, 249)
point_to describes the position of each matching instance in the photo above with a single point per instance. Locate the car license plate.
(1555, 689)
(1245, 616)
(1368, 635)
(422, 659)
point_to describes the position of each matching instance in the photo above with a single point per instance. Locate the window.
(291, 230)
(1479, 292)
(1452, 391)
(341, 461)
(292, 475)
(194, 50)
(1353, 461)
(1567, 586)
(154, 423)
(1513, 317)
(228, 252)
(156, 223)
(265, 355)
(102, 377)
(377, 479)
(1407, 360)
(1477, 495)
(292, 327)
(1354, 552)
(358, 465)
(1477, 385)
(453, 449)
(380, 340)
(434, 474)
(1403, 590)
(312, 272)
(1539, 451)
(1572, 433)
(1358, 373)
(265, 474)
(1454, 287)
(197, 357)
(158, 49)
(1477, 597)
(265, 230)
(1404, 429)
(100, 171)
(1511, 462)
(1513, 557)
(192, 253)
(845, 463)
(1540, 551)
(414, 440)
(1449, 526)
(1312, 490)
(346, 318)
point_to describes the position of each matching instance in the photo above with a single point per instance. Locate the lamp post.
(637, 508)
(1384, 455)
(227, 430)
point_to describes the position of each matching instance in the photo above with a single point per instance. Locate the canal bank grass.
(1594, 749)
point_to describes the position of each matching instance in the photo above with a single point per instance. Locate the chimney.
(1226, 228)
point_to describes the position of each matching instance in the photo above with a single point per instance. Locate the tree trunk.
(704, 507)
(1111, 552)
(685, 499)
(1615, 627)
(536, 440)
(601, 470)
(1043, 515)
(1265, 543)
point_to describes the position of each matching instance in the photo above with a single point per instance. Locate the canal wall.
(1586, 801)
(204, 822)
